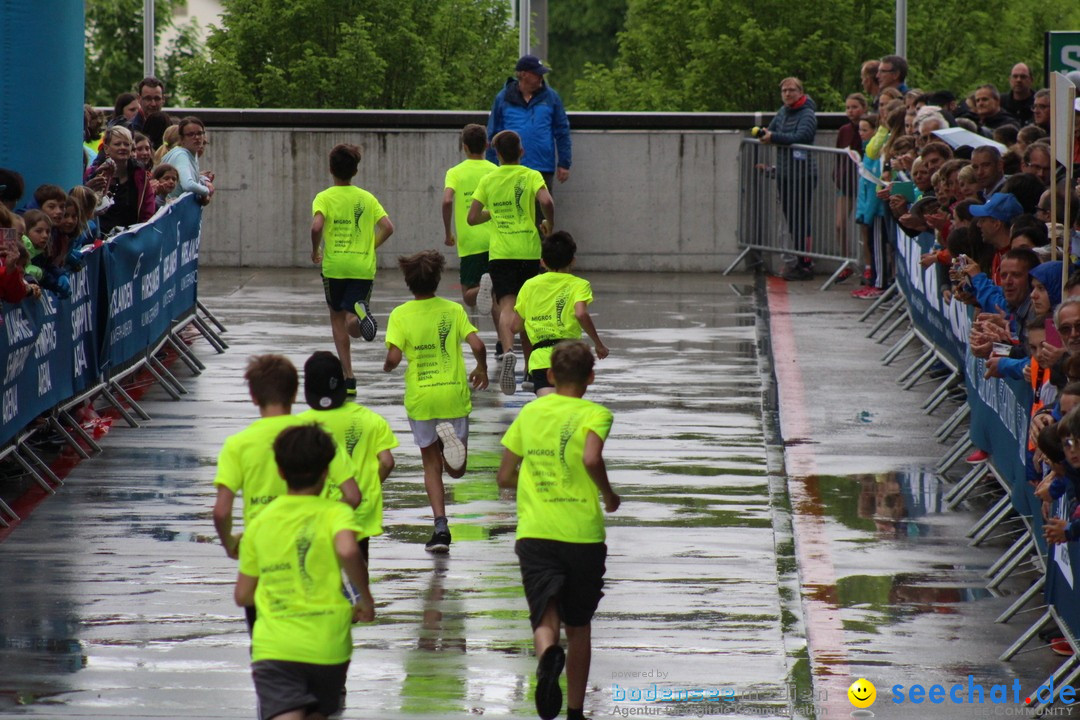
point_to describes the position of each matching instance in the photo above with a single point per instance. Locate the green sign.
(1062, 53)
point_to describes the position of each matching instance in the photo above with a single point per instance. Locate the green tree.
(580, 32)
(114, 45)
(451, 54)
(730, 55)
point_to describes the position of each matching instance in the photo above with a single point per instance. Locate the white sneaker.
(483, 295)
(453, 450)
(507, 381)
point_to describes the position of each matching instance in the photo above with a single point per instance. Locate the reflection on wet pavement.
(121, 603)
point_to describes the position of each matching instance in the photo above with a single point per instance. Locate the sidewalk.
(891, 589)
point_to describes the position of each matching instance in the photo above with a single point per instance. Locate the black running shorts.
(569, 574)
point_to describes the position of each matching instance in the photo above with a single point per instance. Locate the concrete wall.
(636, 200)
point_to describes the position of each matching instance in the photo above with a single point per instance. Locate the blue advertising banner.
(43, 345)
(122, 301)
(946, 325)
(152, 277)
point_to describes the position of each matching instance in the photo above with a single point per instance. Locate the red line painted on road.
(829, 663)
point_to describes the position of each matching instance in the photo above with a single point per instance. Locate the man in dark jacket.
(796, 173)
(535, 112)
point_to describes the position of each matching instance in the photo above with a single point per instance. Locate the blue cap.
(531, 63)
(1000, 206)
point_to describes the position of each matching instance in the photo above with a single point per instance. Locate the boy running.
(472, 242)
(290, 569)
(551, 307)
(428, 332)
(365, 434)
(508, 195)
(348, 225)
(554, 457)
(246, 464)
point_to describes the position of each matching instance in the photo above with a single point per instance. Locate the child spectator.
(290, 571)
(42, 248)
(144, 153)
(165, 179)
(50, 199)
(13, 262)
(508, 195)
(473, 243)
(36, 239)
(366, 436)
(428, 332)
(552, 307)
(869, 208)
(169, 139)
(87, 201)
(348, 226)
(554, 457)
(969, 186)
(245, 466)
(847, 179)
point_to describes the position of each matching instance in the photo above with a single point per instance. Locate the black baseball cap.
(324, 381)
(531, 63)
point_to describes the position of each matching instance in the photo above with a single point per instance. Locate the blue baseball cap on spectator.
(531, 63)
(1000, 206)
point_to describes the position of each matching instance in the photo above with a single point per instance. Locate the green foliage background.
(446, 54)
(730, 55)
(648, 55)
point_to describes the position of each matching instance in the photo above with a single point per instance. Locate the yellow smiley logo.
(862, 693)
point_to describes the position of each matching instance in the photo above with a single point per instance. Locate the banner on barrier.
(52, 349)
(152, 278)
(945, 324)
(49, 349)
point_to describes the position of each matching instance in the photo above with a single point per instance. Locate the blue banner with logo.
(152, 276)
(49, 348)
(1000, 408)
(945, 325)
(52, 349)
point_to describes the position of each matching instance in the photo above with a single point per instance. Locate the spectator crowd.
(982, 203)
(134, 162)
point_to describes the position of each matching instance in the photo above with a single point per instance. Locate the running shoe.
(548, 692)
(1061, 646)
(453, 450)
(867, 293)
(507, 381)
(483, 295)
(368, 326)
(977, 457)
(844, 274)
(350, 387)
(439, 542)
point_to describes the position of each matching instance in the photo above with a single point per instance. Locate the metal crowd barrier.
(798, 201)
(1012, 518)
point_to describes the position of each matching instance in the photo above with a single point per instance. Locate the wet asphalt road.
(116, 598)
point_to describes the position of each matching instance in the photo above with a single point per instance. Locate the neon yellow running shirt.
(556, 498)
(429, 333)
(350, 214)
(303, 615)
(509, 193)
(463, 179)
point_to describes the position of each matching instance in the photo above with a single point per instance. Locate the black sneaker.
(548, 692)
(350, 387)
(439, 542)
(368, 326)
